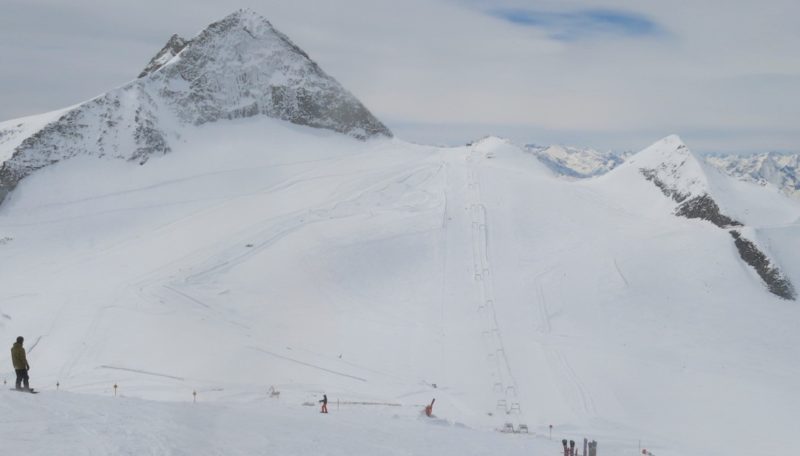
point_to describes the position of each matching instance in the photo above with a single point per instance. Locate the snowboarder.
(429, 408)
(21, 365)
(324, 402)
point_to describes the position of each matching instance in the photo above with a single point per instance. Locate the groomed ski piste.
(261, 256)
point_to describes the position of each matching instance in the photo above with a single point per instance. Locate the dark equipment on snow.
(593, 448)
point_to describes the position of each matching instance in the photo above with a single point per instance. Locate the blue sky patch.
(584, 24)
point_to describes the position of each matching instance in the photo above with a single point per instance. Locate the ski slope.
(259, 253)
(76, 424)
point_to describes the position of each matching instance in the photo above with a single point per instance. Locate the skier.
(324, 402)
(21, 365)
(429, 408)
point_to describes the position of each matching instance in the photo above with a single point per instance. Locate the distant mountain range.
(780, 169)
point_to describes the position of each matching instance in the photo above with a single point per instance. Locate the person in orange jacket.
(429, 408)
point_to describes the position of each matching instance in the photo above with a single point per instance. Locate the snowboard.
(32, 391)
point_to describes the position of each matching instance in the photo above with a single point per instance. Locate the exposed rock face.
(671, 167)
(113, 125)
(776, 282)
(241, 67)
(703, 207)
(170, 50)
(671, 192)
(237, 67)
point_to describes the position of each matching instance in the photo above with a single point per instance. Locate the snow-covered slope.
(261, 253)
(78, 424)
(235, 68)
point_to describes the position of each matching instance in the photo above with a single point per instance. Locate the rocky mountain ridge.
(701, 192)
(237, 67)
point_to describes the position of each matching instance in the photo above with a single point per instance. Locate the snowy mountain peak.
(673, 168)
(235, 68)
(241, 66)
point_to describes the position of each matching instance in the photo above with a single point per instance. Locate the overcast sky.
(723, 74)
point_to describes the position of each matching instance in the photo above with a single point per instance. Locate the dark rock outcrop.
(170, 50)
(652, 176)
(705, 208)
(776, 282)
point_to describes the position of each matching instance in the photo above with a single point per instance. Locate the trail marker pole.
(115, 390)
(551, 432)
(57, 385)
(194, 397)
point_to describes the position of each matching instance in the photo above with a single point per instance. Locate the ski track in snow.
(572, 387)
(140, 371)
(201, 266)
(313, 366)
(505, 387)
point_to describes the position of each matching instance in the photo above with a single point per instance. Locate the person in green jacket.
(21, 365)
